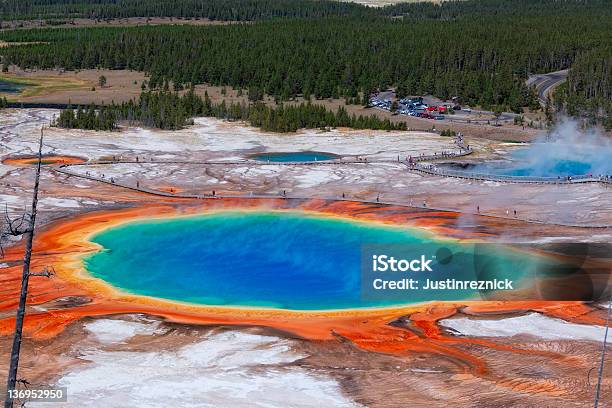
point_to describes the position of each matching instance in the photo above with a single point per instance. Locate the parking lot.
(428, 107)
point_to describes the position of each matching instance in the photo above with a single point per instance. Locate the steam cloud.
(568, 150)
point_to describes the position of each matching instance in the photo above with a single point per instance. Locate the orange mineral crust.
(33, 160)
(73, 293)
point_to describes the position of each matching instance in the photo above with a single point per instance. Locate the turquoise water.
(544, 165)
(553, 160)
(10, 87)
(561, 168)
(269, 259)
(294, 157)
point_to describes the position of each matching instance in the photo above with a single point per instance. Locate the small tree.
(394, 106)
(365, 101)
(519, 120)
(255, 94)
(497, 112)
(102, 81)
(548, 112)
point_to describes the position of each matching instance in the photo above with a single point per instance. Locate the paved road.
(546, 83)
(472, 116)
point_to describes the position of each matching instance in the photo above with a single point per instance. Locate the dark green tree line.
(228, 10)
(168, 110)
(102, 118)
(479, 50)
(588, 91)
(249, 10)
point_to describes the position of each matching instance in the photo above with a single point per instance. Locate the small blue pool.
(280, 157)
(10, 87)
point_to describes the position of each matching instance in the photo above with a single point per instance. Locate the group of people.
(412, 161)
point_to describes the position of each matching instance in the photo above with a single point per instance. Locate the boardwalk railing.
(438, 171)
(419, 164)
(64, 169)
(463, 151)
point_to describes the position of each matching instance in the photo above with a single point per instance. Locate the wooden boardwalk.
(66, 170)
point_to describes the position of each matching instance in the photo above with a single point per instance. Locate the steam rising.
(567, 150)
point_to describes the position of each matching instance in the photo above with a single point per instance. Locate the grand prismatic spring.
(86, 252)
(267, 259)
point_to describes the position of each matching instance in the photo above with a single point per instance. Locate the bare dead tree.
(603, 356)
(11, 228)
(47, 272)
(15, 227)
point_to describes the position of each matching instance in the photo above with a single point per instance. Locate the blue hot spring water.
(10, 87)
(526, 164)
(569, 152)
(260, 259)
(294, 157)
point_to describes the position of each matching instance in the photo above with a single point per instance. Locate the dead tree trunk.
(14, 363)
